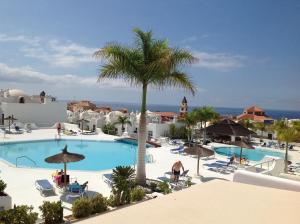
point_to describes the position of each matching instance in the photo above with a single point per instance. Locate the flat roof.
(214, 202)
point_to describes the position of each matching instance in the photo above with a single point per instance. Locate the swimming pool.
(256, 154)
(99, 155)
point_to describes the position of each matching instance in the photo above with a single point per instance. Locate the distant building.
(104, 110)
(166, 116)
(81, 105)
(183, 108)
(42, 109)
(255, 114)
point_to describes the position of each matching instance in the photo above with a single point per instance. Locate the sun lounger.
(179, 149)
(76, 191)
(89, 133)
(107, 178)
(44, 186)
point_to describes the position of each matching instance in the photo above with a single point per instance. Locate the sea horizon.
(274, 113)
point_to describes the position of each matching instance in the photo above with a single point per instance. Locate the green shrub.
(137, 194)
(18, 215)
(164, 187)
(109, 129)
(122, 184)
(82, 207)
(99, 204)
(189, 182)
(112, 201)
(153, 186)
(52, 212)
(2, 186)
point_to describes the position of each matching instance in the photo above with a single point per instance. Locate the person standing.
(58, 129)
(176, 170)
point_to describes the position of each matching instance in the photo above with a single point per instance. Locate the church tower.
(183, 108)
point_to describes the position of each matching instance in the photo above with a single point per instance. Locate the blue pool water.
(99, 155)
(250, 154)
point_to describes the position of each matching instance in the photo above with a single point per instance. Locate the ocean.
(276, 114)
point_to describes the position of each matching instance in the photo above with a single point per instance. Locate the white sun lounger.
(107, 178)
(44, 186)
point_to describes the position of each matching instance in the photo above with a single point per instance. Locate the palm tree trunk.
(204, 134)
(141, 167)
(286, 157)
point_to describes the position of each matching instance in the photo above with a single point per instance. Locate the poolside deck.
(20, 181)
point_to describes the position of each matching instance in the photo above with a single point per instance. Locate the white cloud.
(56, 53)
(61, 54)
(29, 75)
(20, 38)
(219, 61)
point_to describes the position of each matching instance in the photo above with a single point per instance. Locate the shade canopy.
(10, 118)
(199, 151)
(228, 127)
(83, 120)
(242, 144)
(65, 157)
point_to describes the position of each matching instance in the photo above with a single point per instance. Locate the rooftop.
(254, 109)
(214, 202)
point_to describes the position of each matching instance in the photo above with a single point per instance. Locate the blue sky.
(249, 51)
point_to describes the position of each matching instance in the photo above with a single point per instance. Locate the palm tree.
(206, 114)
(122, 120)
(150, 62)
(287, 132)
(190, 121)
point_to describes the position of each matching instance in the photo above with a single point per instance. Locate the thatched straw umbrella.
(65, 157)
(199, 151)
(242, 144)
(228, 127)
(10, 120)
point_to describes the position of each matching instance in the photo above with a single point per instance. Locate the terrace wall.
(42, 114)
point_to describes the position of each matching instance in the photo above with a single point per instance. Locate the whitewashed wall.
(41, 114)
(161, 129)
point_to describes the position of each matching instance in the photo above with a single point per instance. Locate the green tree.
(287, 132)
(172, 130)
(109, 129)
(262, 127)
(190, 121)
(246, 123)
(204, 115)
(122, 177)
(150, 62)
(122, 120)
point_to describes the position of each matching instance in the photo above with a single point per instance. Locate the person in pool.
(176, 170)
(231, 160)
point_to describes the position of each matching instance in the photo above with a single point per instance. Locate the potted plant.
(5, 199)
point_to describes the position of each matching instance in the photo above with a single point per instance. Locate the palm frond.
(174, 79)
(181, 57)
(143, 41)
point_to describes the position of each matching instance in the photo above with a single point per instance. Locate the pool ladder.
(26, 157)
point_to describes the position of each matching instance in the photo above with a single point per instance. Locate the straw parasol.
(242, 144)
(65, 157)
(10, 119)
(199, 151)
(228, 127)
